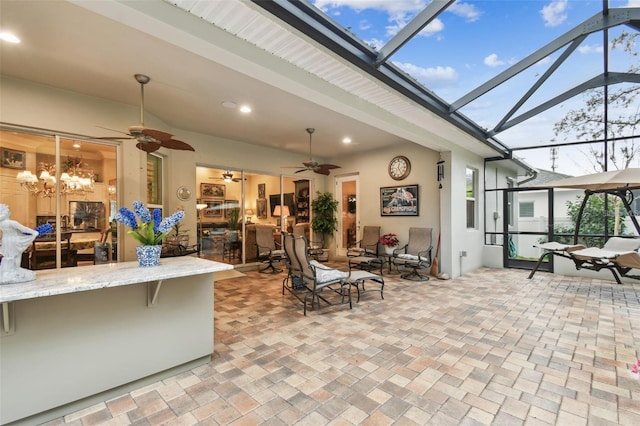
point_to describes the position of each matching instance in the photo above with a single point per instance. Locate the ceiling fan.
(149, 140)
(314, 166)
(227, 176)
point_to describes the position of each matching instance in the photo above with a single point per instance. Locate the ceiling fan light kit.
(150, 140)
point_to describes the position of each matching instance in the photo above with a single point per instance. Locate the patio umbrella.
(599, 181)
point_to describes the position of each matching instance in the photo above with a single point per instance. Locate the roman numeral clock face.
(399, 167)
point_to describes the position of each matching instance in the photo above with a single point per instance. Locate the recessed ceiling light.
(229, 104)
(245, 109)
(11, 38)
(76, 145)
(346, 140)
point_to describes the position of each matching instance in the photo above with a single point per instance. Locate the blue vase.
(148, 255)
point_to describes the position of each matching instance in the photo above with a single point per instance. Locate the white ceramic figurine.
(16, 238)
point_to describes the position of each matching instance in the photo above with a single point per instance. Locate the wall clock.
(399, 167)
(183, 193)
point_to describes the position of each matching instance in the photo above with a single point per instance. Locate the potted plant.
(390, 242)
(233, 223)
(150, 232)
(324, 221)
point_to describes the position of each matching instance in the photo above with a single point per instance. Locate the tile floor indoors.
(488, 348)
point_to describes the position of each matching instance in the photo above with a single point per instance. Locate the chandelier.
(73, 181)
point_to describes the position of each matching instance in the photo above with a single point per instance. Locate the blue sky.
(472, 41)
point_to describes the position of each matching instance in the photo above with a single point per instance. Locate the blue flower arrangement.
(153, 228)
(45, 228)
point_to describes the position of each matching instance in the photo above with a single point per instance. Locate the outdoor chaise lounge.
(594, 258)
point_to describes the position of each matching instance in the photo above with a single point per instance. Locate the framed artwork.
(261, 190)
(213, 209)
(230, 204)
(86, 215)
(212, 190)
(399, 200)
(261, 207)
(13, 159)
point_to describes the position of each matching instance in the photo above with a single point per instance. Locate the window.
(154, 180)
(472, 185)
(526, 208)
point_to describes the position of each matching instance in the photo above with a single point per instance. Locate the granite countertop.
(53, 282)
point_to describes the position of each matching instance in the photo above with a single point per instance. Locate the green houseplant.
(324, 221)
(233, 218)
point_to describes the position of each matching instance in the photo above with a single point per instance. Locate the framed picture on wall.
(13, 159)
(212, 190)
(213, 209)
(399, 200)
(261, 190)
(86, 215)
(261, 207)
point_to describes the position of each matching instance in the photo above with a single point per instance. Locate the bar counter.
(75, 335)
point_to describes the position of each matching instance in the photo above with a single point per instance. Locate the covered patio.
(490, 347)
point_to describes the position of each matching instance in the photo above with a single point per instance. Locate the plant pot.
(148, 255)
(389, 250)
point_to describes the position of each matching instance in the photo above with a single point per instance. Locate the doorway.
(349, 217)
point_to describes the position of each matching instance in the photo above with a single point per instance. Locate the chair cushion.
(622, 244)
(325, 274)
(407, 256)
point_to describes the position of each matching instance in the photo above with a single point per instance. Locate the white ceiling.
(67, 46)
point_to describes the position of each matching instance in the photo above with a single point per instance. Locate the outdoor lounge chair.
(414, 258)
(594, 258)
(624, 263)
(318, 282)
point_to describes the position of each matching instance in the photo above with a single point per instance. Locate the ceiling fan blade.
(301, 170)
(148, 146)
(113, 130)
(322, 171)
(176, 144)
(328, 166)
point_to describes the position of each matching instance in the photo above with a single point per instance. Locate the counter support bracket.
(7, 318)
(153, 290)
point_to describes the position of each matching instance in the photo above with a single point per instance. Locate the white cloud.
(364, 25)
(493, 61)
(393, 8)
(466, 10)
(590, 48)
(430, 77)
(434, 27)
(544, 61)
(633, 3)
(375, 43)
(554, 13)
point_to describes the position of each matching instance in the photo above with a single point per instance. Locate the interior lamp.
(282, 212)
(249, 213)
